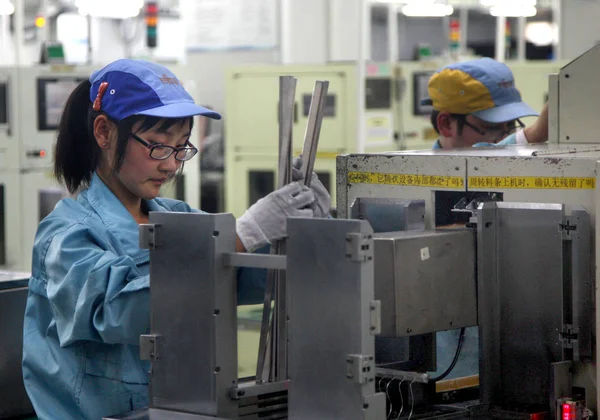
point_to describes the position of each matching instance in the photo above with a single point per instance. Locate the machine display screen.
(3, 102)
(378, 93)
(52, 96)
(328, 110)
(420, 82)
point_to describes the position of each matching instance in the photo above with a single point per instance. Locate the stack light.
(151, 24)
(454, 34)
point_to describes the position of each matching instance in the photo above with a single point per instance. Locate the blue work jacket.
(88, 303)
(507, 141)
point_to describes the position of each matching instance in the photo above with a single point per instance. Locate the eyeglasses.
(162, 151)
(495, 135)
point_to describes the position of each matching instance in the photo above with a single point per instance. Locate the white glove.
(265, 221)
(322, 198)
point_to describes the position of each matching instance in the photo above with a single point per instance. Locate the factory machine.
(31, 102)
(425, 241)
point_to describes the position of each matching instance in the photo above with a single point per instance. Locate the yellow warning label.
(321, 155)
(532, 182)
(406, 180)
(474, 182)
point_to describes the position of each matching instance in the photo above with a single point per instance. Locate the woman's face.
(142, 176)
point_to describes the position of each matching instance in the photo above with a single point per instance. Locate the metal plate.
(520, 296)
(13, 279)
(330, 300)
(193, 313)
(389, 214)
(425, 281)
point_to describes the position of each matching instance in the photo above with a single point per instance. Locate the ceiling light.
(6, 8)
(427, 10)
(541, 34)
(112, 9)
(511, 3)
(513, 11)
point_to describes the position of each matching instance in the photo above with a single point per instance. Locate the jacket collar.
(114, 215)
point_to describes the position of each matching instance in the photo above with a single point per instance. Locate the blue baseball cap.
(483, 87)
(137, 87)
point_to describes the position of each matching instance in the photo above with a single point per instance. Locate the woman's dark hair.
(460, 118)
(77, 154)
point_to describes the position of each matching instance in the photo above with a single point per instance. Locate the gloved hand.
(323, 199)
(265, 221)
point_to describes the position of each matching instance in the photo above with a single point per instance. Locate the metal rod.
(239, 259)
(313, 129)
(287, 94)
(278, 342)
(287, 99)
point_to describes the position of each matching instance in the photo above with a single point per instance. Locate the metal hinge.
(568, 336)
(567, 227)
(359, 247)
(149, 347)
(149, 236)
(360, 368)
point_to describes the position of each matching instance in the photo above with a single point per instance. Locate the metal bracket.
(568, 336)
(567, 227)
(375, 327)
(359, 247)
(360, 368)
(149, 344)
(149, 236)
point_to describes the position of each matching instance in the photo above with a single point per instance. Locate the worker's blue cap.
(137, 87)
(483, 87)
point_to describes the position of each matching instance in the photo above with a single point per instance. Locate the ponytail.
(76, 153)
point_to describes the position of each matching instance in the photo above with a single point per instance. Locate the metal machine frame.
(192, 339)
(549, 192)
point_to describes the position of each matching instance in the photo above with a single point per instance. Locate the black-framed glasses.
(162, 151)
(496, 134)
